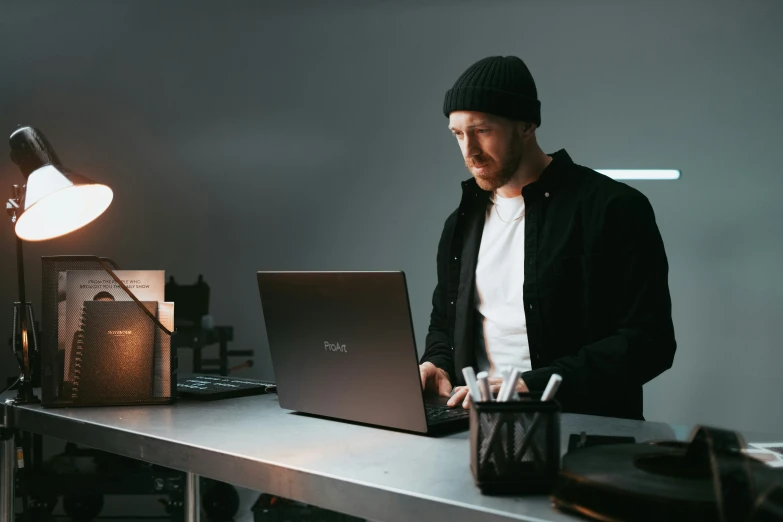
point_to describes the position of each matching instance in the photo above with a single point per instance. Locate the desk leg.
(192, 498)
(7, 456)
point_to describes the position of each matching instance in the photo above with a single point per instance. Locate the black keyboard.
(214, 387)
(442, 413)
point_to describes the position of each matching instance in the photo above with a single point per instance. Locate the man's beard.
(494, 178)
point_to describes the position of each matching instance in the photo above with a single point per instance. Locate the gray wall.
(240, 136)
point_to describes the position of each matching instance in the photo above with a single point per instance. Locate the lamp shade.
(56, 201)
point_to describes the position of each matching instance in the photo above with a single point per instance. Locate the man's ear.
(527, 128)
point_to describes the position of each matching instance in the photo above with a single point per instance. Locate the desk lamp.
(54, 201)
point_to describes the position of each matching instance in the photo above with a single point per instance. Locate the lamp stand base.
(26, 395)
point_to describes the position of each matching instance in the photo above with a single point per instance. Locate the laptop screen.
(342, 345)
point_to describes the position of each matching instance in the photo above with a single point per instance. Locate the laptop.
(342, 346)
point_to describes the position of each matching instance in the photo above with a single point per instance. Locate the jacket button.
(452, 302)
(546, 194)
(530, 306)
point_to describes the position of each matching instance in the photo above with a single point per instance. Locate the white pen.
(504, 374)
(470, 380)
(484, 389)
(551, 387)
(510, 385)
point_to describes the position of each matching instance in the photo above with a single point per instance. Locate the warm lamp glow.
(55, 200)
(63, 211)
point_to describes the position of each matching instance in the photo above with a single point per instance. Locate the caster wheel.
(220, 501)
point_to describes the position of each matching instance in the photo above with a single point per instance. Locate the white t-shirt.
(500, 275)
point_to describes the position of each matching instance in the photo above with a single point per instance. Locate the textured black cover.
(114, 358)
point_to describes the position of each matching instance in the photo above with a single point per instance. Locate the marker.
(470, 380)
(551, 387)
(504, 373)
(484, 389)
(509, 386)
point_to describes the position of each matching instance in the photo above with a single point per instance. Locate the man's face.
(490, 146)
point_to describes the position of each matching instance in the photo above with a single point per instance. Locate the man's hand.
(461, 392)
(434, 380)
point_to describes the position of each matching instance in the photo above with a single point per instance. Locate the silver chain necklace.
(515, 219)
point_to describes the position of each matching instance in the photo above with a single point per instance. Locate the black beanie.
(499, 85)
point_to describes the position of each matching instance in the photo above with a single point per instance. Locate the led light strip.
(640, 173)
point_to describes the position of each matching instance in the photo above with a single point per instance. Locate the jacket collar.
(554, 175)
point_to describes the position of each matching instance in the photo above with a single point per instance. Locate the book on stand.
(103, 363)
(114, 356)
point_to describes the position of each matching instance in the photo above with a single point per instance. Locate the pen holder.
(515, 446)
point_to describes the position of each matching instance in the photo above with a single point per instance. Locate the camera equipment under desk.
(368, 472)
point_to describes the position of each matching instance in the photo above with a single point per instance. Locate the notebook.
(114, 355)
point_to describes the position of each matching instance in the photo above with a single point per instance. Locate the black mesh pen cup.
(62, 359)
(515, 445)
(55, 349)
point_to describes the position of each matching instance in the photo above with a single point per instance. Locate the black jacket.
(596, 289)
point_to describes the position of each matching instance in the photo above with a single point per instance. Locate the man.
(545, 265)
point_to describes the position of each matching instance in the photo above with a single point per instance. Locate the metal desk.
(372, 473)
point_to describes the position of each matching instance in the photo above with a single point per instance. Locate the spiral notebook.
(114, 355)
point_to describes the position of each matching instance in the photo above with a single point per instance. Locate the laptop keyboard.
(440, 413)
